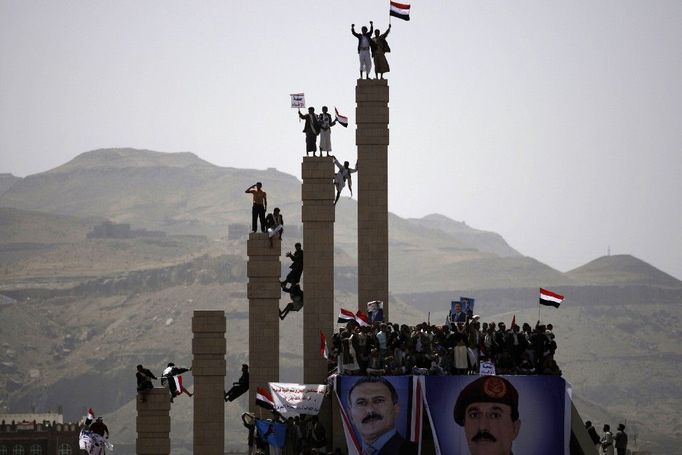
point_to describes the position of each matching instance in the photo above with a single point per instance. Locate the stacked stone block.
(153, 423)
(318, 218)
(263, 291)
(208, 369)
(372, 141)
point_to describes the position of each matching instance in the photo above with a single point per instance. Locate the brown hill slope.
(623, 269)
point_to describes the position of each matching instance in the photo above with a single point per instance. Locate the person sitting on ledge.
(296, 300)
(144, 381)
(239, 387)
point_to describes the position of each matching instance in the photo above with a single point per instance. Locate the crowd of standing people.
(455, 348)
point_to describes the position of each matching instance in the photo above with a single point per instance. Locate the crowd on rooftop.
(455, 348)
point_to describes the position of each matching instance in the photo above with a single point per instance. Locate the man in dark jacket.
(592, 431)
(294, 276)
(374, 408)
(311, 130)
(365, 45)
(100, 428)
(239, 387)
(621, 440)
(144, 381)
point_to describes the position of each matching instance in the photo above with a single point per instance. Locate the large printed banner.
(297, 399)
(381, 414)
(529, 415)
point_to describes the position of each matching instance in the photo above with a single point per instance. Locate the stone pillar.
(263, 292)
(208, 369)
(371, 137)
(317, 215)
(153, 423)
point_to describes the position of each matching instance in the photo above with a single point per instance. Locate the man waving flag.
(400, 10)
(549, 298)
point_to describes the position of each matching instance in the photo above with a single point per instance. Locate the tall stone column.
(153, 423)
(317, 215)
(208, 369)
(372, 140)
(263, 292)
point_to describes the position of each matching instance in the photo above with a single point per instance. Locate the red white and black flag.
(550, 298)
(345, 316)
(400, 10)
(323, 345)
(264, 399)
(341, 119)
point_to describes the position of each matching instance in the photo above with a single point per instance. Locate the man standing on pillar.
(326, 124)
(260, 205)
(311, 130)
(365, 43)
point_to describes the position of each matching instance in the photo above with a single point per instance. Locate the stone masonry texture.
(208, 369)
(263, 291)
(372, 141)
(153, 423)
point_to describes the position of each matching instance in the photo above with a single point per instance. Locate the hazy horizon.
(555, 125)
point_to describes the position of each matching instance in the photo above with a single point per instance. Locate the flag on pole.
(341, 119)
(550, 298)
(400, 10)
(323, 345)
(264, 399)
(345, 316)
(272, 433)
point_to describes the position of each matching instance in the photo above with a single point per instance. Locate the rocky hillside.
(6, 182)
(623, 269)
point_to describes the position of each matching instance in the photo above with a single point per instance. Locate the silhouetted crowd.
(456, 348)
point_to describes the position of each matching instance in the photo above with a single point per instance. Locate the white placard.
(296, 399)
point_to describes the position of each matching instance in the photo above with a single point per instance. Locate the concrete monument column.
(317, 215)
(208, 370)
(153, 423)
(371, 138)
(263, 292)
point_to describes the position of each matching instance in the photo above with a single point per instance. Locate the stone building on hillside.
(35, 434)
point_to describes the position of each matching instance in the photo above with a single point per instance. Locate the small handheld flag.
(264, 399)
(323, 345)
(549, 298)
(340, 119)
(400, 10)
(345, 316)
(362, 318)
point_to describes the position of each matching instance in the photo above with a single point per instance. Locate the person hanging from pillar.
(172, 375)
(294, 275)
(342, 176)
(326, 123)
(296, 303)
(365, 45)
(260, 205)
(240, 387)
(311, 130)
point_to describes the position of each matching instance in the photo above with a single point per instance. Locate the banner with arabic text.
(296, 399)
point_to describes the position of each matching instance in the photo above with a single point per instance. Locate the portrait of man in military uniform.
(488, 409)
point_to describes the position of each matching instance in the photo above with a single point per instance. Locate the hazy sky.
(556, 124)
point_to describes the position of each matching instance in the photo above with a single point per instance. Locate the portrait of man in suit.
(374, 408)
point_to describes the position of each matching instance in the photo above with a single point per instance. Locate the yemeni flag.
(400, 10)
(362, 318)
(264, 399)
(345, 316)
(549, 298)
(341, 119)
(323, 345)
